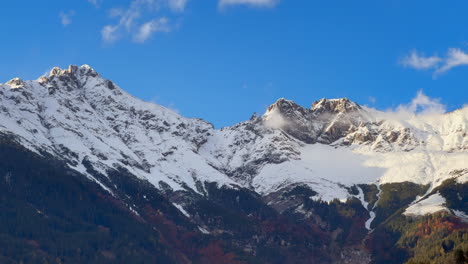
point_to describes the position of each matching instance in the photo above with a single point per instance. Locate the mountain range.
(91, 174)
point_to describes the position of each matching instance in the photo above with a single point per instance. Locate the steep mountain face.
(279, 188)
(325, 122)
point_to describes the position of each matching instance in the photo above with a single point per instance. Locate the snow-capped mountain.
(78, 116)
(83, 161)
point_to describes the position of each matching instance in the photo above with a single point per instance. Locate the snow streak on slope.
(372, 214)
(365, 204)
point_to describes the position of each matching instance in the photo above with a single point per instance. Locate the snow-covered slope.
(77, 115)
(80, 117)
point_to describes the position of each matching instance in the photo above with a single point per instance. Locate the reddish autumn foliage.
(214, 253)
(432, 225)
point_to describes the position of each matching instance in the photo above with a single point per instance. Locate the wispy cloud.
(177, 5)
(147, 29)
(275, 119)
(116, 12)
(254, 3)
(110, 33)
(65, 17)
(454, 58)
(96, 3)
(420, 62)
(130, 19)
(141, 19)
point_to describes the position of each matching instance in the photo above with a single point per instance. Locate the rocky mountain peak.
(73, 70)
(287, 109)
(332, 106)
(342, 105)
(284, 106)
(75, 77)
(326, 121)
(15, 82)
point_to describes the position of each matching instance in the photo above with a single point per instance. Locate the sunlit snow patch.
(432, 204)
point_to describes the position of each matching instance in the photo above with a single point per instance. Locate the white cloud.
(65, 18)
(177, 5)
(109, 33)
(455, 58)
(372, 99)
(256, 3)
(423, 104)
(420, 105)
(129, 19)
(420, 62)
(275, 120)
(147, 29)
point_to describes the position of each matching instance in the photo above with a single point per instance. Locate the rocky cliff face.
(310, 171)
(325, 122)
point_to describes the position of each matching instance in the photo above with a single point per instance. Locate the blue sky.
(222, 60)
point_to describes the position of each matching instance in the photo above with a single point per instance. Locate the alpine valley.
(91, 174)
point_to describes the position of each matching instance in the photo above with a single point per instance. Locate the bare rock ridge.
(325, 122)
(343, 105)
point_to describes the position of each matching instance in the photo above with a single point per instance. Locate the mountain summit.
(343, 105)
